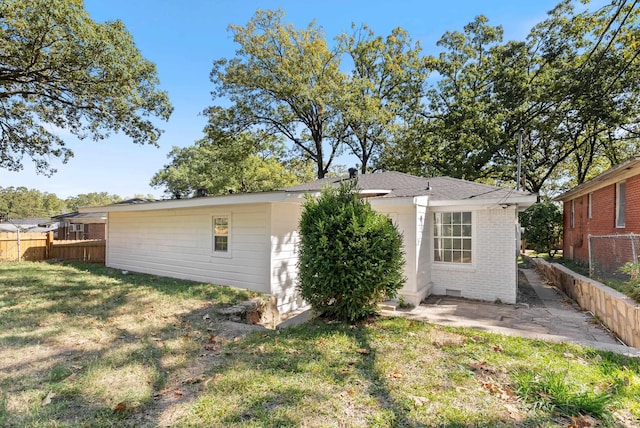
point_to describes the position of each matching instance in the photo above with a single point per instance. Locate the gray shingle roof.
(399, 184)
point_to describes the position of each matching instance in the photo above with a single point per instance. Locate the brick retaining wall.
(619, 313)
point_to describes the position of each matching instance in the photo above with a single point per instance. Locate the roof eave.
(236, 199)
(625, 170)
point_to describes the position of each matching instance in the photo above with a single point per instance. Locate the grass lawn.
(83, 345)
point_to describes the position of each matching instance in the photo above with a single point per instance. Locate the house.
(76, 226)
(600, 214)
(460, 237)
(32, 225)
(87, 225)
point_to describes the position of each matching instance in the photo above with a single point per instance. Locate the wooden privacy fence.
(41, 246)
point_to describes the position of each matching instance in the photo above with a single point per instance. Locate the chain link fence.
(608, 253)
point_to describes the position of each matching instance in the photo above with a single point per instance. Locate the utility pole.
(519, 160)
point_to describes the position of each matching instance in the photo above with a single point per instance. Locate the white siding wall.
(179, 244)
(423, 247)
(409, 220)
(493, 274)
(284, 255)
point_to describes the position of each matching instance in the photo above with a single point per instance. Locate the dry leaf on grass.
(497, 348)
(363, 351)
(418, 401)
(120, 407)
(481, 366)
(582, 422)
(192, 380)
(496, 389)
(47, 400)
(394, 375)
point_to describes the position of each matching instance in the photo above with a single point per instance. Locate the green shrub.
(542, 224)
(350, 256)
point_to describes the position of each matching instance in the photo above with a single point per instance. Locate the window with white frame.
(221, 226)
(590, 206)
(452, 237)
(621, 190)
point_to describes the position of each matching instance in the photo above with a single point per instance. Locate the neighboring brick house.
(76, 226)
(606, 205)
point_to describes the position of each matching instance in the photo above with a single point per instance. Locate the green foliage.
(60, 70)
(632, 269)
(288, 82)
(542, 224)
(246, 162)
(632, 287)
(20, 202)
(570, 90)
(281, 81)
(384, 88)
(350, 256)
(90, 200)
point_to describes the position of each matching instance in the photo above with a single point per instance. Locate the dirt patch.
(526, 293)
(212, 326)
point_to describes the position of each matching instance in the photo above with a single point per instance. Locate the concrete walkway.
(559, 319)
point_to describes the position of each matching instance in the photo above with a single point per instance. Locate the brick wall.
(603, 221)
(94, 231)
(89, 231)
(492, 275)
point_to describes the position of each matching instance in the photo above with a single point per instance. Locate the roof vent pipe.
(353, 172)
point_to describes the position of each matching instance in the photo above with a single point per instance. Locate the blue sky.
(183, 38)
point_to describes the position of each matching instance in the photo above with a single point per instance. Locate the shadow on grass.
(71, 349)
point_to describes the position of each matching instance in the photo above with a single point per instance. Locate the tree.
(385, 87)
(220, 162)
(281, 82)
(460, 128)
(21, 202)
(62, 72)
(578, 91)
(350, 256)
(91, 200)
(571, 90)
(542, 225)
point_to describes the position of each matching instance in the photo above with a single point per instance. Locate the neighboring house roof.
(83, 218)
(626, 169)
(384, 185)
(28, 225)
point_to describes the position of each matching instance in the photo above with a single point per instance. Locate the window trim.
(590, 205)
(220, 253)
(621, 207)
(472, 251)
